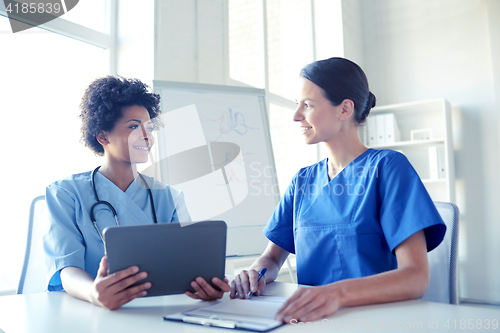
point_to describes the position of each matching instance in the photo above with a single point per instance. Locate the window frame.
(104, 40)
(273, 98)
(107, 41)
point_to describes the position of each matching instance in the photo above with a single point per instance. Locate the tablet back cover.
(173, 254)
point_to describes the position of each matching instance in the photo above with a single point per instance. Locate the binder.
(441, 162)
(372, 131)
(254, 314)
(437, 163)
(363, 134)
(433, 163)
(380, 130)
(392, 133)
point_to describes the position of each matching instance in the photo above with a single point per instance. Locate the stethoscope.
(99, 202)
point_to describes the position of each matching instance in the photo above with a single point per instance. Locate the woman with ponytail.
(360, 221)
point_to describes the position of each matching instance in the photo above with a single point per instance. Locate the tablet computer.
(173, 254)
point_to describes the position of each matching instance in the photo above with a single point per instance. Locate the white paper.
(256, 313)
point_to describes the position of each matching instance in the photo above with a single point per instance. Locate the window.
(92, 14)
(269, 42)
(290, 43)
(44, 76)
(246, 61)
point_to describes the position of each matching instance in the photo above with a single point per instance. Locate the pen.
(261, 275)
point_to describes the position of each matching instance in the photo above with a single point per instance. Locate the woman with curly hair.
(118, 117)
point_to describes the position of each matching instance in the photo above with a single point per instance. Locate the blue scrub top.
(71, 238)
(349, 227)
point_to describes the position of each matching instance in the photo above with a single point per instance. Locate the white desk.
(58, 312)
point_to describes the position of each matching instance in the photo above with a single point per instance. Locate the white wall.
(421, 49)
(353, 31)
(191, 42)
(135, 40)
(411, 50)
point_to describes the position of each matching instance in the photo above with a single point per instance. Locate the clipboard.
(255, 314)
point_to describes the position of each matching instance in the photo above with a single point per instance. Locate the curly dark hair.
(102, 104)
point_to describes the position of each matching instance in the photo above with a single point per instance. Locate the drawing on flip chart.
(232, 122)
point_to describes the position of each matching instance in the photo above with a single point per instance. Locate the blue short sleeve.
(279, 229)
(63, 242)
(73, 239)
(406, 207)
(348, 226)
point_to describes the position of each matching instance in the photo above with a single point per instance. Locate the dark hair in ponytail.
(342, 79)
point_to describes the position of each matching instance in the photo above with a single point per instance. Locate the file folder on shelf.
(363, 133)
(372, 131)
(380, 129)
(392, 133)
(383, 129)
(437, 162)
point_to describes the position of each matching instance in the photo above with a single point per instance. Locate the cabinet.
(433, 117)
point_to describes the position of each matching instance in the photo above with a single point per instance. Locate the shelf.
(5, 292)
(408, 143)
(434, 181)
(418, 107)
(433, 115)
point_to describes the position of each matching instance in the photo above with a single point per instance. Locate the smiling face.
(131, 139)
(319, 120)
